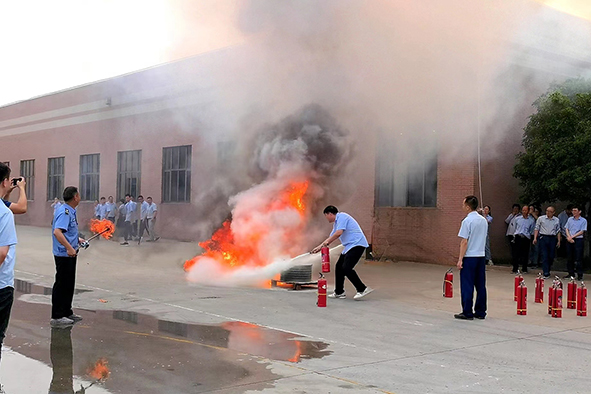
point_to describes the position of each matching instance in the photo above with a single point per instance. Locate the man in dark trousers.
(7, 255)
(576, 226)
(472, 263)
(65, 250)
(348, 230)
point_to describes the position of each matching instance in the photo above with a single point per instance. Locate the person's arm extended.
(536, 232)
(463, 249)
(328, 241)
(20, 206)
(568, 237)
(61, 238)
(3, 253)
(559, 239)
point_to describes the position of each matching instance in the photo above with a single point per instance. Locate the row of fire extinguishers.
(322, 287)
(576, 296)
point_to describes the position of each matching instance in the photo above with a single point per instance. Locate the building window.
(28, 173)
(55, 178)
(89, 177)
(406, 177)
(129, 173)
(176, 174)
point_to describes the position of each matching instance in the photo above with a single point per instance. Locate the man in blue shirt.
(575, 229)
(65, 250)
(7, 254)
(471, 262)
(524, 229)
(351, 236)
(129, 218)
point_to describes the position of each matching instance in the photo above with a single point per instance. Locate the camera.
(15, 180)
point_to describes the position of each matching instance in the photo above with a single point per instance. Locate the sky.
(53, 45)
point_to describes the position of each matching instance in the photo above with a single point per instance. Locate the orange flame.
(100, 370)
(297, 354)
(222, 246)
(98, 226)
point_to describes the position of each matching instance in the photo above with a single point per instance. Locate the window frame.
(94, 177)
(176, 164)
(125, 160)
(58, 176)
(29, 179)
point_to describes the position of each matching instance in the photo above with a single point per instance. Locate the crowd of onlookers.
(132, 218)
(536, 239)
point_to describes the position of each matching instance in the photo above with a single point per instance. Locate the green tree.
(556, 163)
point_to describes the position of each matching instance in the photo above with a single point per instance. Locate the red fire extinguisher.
(448, 284)
(518, 279)
(322, 288)
(571, 294)
(325, 252)
(551, 292)
(582, 300)
(522, 299)
(539, 293)
(557, 309)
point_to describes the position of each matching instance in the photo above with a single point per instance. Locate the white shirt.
(151, 209)
(474, 228)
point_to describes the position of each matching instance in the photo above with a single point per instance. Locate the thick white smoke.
(270, 221)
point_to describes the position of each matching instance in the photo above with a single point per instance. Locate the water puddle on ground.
(125, 352)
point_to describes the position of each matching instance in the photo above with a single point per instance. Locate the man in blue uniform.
(65, 250)
(7, 255)
(472, 263)
(575, 230)
(351, 236)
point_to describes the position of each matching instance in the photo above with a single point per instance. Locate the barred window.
(55, 178)
(89, 177)
(176, 174)
(406, 176)
(28, 173)
(129, 173)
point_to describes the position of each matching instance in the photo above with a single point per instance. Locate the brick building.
(147, 132)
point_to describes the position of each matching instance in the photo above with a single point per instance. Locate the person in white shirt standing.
(129, 212)
(152, 212)
(111, 210)
(103, 208)
(471, 262)
(511, 229)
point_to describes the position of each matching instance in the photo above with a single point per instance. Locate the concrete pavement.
(401, 339)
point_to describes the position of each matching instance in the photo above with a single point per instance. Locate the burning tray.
(297, 276)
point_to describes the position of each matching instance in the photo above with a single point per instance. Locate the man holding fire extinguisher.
(472, 263)
(349, 232)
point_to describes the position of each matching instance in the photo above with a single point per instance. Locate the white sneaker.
(490, 262)
(335, 295)
(61, 322)
(359, 296)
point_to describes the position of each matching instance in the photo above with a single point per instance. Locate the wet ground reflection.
(123, 351)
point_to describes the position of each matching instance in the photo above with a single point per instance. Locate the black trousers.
(6, 299)
(575, 257)
(345, 267)
(522, 248)
(63, 288)
(61, 355)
